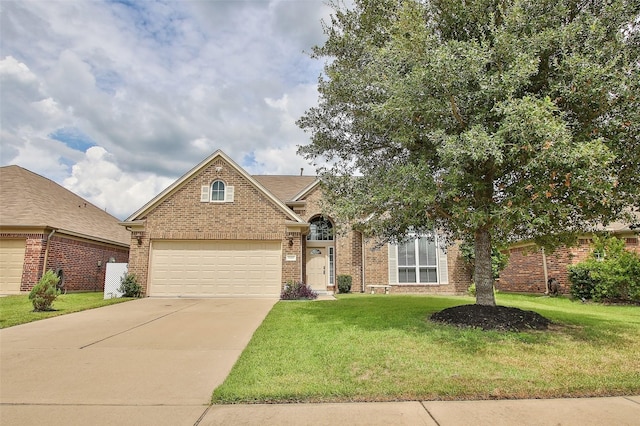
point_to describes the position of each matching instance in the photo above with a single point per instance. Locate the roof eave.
(306, 190)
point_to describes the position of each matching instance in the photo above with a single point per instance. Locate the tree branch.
(456, 111)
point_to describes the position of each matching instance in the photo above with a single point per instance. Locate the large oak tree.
(488, 120)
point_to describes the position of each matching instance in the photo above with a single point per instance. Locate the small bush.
(296, 291)
(129, 286)
(344, 283)
(582, 284)
(471, 290)
(45, 292)
(610, 274)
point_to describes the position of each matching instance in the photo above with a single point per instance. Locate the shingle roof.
(28, 199)
(285, 187)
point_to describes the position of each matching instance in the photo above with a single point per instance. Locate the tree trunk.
(482, 274)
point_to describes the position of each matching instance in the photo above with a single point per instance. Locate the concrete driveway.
(149, 361)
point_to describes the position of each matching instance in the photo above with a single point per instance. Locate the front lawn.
(18, 309)
(382, 347)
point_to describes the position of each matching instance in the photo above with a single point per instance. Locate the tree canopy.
(488, 120)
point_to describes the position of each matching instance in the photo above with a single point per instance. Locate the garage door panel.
(11, 265)
(215, 268)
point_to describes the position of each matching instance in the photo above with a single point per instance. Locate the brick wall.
(76, 257)
(349, 258)
(251, 216)
(459, 270)
(376, 263)
(79, 262)
(33, 261)
(525, 270)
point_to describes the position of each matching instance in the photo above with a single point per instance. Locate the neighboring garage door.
(215, 268)
(11, 264)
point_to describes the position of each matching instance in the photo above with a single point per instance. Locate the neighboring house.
(218, 231)
(530, 267)
(43, 226)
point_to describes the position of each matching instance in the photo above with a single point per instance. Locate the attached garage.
(11, 265)
(215, 268)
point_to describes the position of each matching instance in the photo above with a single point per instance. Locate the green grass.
(381, 348)
(16, 310)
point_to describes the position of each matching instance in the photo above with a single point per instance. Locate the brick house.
(43, 226)
(218, 231)
(530, 267)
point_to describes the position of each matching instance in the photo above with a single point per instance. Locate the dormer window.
(217, 192)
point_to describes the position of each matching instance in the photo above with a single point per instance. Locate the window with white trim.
(217, 192)
(418, 261)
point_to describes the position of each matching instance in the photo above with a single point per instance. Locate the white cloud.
(157, 85)
(98, 179)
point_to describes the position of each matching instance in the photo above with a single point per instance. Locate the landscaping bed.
(502, 318)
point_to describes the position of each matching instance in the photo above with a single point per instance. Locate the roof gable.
(191, 174)
(30, 200)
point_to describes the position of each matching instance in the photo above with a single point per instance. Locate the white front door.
(317, 268)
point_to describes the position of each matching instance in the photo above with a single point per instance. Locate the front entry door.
(317, 268)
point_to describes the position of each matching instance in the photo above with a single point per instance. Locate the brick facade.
(178, 214)
(83, 262)
(182, 216)
(525, 271)
(358, 256)
(77, 258)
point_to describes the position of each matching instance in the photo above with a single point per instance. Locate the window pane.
(427, 250)
(330, 265)
(217, 191)
(407, 254)
(407, 275)
(320, 230)
(428, 275)
(422, 251)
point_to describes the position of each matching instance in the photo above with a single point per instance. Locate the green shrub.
(129, 286)
(471, 290)
(344, 283)
(45, 292)
(610, 274)
(296, 290)
(582, 284)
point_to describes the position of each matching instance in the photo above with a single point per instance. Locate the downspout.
(546, 273)
(46, 252)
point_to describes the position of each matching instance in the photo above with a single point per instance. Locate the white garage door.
(215, 268)
(11, 264)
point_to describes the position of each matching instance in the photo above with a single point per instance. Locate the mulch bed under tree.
(500, 318)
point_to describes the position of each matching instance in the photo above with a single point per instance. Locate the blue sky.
(116, 99)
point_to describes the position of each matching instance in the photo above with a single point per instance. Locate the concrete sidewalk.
(618, 411)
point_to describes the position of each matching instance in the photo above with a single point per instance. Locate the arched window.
(320, 230)
(217, 191)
